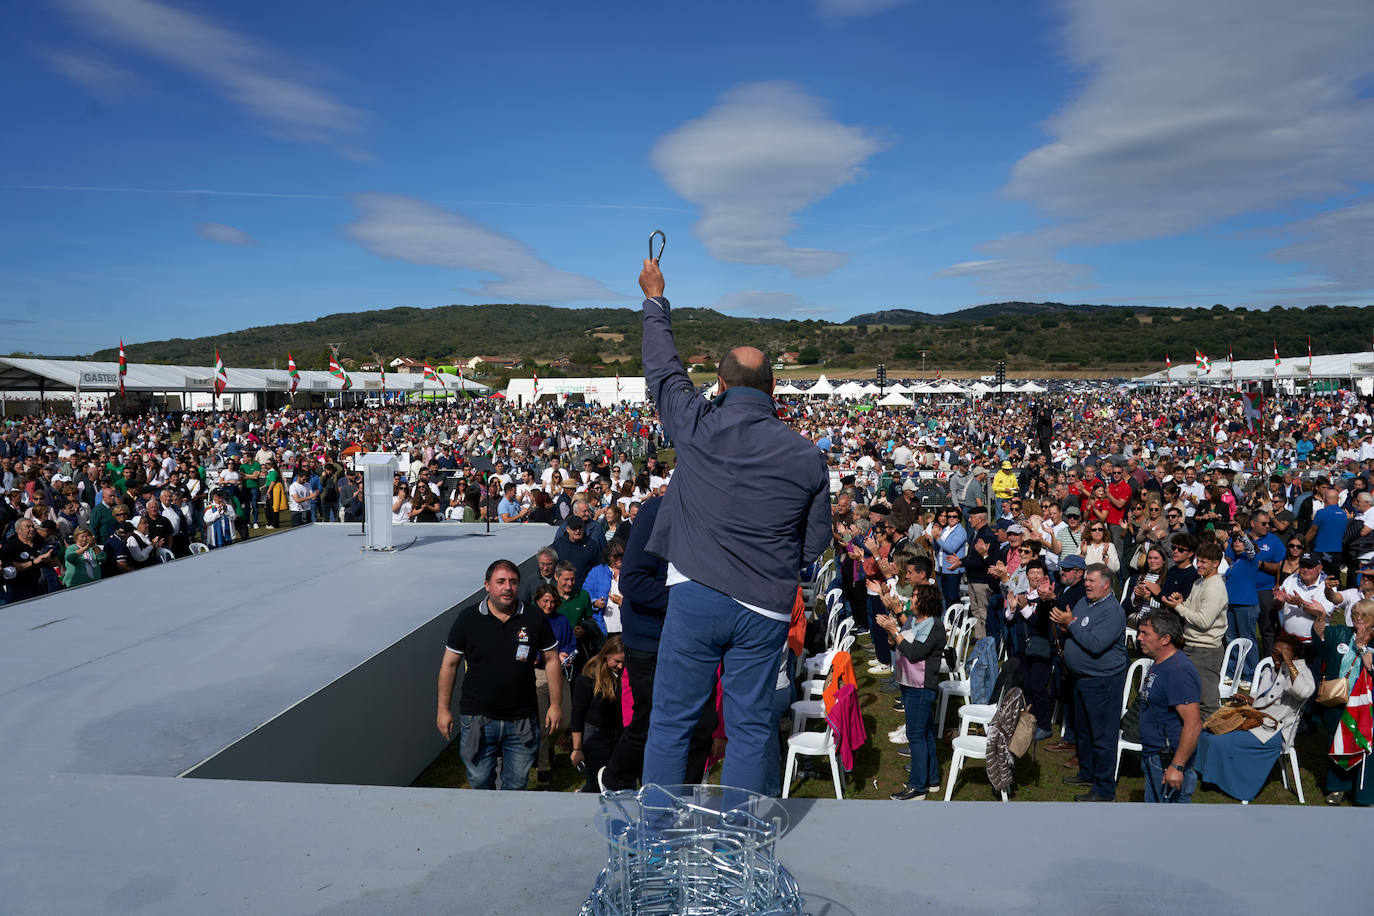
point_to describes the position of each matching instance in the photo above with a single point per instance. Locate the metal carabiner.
(662, 245)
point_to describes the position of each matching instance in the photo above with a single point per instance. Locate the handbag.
(1237, 716)
(1334, 691)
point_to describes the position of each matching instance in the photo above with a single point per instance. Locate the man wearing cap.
(748, 508)
(1004, 487)
(906, 508)
(573, 546)
(1304, 599)
(975, 493)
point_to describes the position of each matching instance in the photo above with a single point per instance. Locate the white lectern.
(379, 470)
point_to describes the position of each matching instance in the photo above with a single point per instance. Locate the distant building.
(560, 362)
(790, 357)
(478, 364)
(700, 359)
(408, 366)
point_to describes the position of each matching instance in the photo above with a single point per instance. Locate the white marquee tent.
(602, 391)
(822, 388)
(895, 398)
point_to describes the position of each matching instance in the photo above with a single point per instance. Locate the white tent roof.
(821, 387)
(948, 387)
(923, 389)
(851, 390)
(786, 387)
(1032, 388)
(1331, 365)
(981, 388)
(70, 374)
(895, 398)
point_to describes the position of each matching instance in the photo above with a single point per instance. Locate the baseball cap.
(576, 523)
(1073, 511)
(1309, 560)
(1073, 561)
(1003, 524)
(1015, 529)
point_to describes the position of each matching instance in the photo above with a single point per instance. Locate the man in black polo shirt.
(502, 641)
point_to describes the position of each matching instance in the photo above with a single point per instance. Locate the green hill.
(1029, 335)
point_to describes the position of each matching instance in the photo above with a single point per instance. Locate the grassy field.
(880, 771)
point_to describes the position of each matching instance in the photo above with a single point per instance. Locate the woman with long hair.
(597, 720)
(1098, 547)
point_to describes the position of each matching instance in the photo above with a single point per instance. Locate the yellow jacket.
(1004, 484)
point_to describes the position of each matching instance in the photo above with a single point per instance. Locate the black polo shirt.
(499, 682)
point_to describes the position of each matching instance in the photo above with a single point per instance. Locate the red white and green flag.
(123, 367)
(431, 375)
(1252, 403)
(338, 372)
(1350, 745)
(221, 377)
(292, 371)
(536, 387)
(1277, 362)
(617, 386)
(1168, 364)
(1204, 364)
(462, 385)
(381, 364)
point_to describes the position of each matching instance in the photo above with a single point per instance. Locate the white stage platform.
(288, 663)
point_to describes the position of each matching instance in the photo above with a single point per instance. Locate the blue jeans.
(501, 738)
(1155, 790)
(949, 587)
(252, 504)
(702, 629)
(1097, 722)
(920, 735)
(772, 756)
(1242, 620)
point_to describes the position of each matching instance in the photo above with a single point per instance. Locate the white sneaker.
(256, 525)
(897, 736)
(879, 669)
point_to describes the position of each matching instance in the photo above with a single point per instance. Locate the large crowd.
(1171, 508)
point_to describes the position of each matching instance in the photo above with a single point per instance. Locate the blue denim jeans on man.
(1155, 789)
(508, 739)
(704, 629)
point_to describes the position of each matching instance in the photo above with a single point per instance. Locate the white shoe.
(897, 736)
(256, 525)
(879, 669)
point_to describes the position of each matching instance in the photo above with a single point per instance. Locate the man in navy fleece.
(748, 507)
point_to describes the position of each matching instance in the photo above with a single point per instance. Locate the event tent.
(54, 375)
(852, 390)
(1291, 368)
(948, 387)
(822, 387)
(895, 399)
(601, 390)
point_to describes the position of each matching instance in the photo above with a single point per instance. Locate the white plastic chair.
(818, 665)
(1289, 755)
(954, 616)
(812, 744)
(198, 547)
(966, 747)
(1239, 647)
(1139, 667)
(1132, 637)
(165, 556)
(959, 684)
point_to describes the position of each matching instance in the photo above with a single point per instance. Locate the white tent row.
(895, 398)
(1328, 366)
(603, 391)
(87, 376)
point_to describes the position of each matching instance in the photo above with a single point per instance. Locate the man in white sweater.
(1204, 623)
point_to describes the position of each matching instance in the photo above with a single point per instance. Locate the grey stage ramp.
(288, 663)
(309, 659)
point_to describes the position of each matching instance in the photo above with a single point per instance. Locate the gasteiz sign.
(99, 378)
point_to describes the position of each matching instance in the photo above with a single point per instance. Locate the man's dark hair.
(1184, 541)
(1210, 551)
(1167, 622)
(736, 375)
(501, 564)
(923, 565)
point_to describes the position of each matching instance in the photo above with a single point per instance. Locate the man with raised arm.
(749, 505)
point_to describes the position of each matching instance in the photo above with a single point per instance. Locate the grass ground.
(880, 771)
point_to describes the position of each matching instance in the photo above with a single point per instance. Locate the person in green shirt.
(1344, 651)
(116, 474)
(576, 606)
(252, 475)
(81, 561)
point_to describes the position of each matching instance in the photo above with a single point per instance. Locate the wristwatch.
(1174, 766)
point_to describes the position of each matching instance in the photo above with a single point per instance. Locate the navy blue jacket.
(643, 584)
(749, 502)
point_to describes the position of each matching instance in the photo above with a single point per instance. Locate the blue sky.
(174, 168)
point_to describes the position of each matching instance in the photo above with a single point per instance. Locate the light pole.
(923, 365)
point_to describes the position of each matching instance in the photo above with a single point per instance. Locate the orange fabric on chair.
(796, 630)
(841, 673)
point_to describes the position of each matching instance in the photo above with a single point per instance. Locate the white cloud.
(403, 228)
(247, 75)
(1022, 278)
(764, 152)
(848, 9)
(1195, 113)
(225, 235)
(1335, 248)
(767, 305)
(92, 72)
